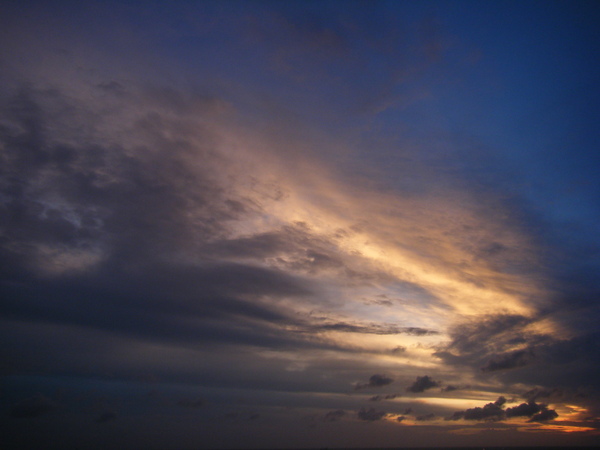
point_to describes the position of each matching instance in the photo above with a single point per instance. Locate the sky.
(243, 224)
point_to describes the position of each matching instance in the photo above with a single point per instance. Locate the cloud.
(370, 414)
(373, 328)
(376, 380)
(36, 406)
(425, 417)
(450, 388)
(494, 412)
(507, 361)
(524, 409)
(378, 398)
(544, 416)
(422, 384)
(537, 392)
(490, 412)
(537, 412)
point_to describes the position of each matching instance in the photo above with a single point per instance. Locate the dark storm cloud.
(376, 380)
(509, 361)
(64, 186)
(556, 365)
(422, 384)
(478, 338)
(370, 414)
(536, 393)
(36, 406)
(105, 220)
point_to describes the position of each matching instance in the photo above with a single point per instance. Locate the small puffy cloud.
(33, 407)
(400, 418)
(376, 380)
(449, 388)
(333, 416)
(422, 384)
(506, 361)
(370, 414)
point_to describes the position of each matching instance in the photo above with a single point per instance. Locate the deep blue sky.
(299, 224)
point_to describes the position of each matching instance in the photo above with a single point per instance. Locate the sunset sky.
(243, 224)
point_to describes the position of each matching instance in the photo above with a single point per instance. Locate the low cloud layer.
(495, 411)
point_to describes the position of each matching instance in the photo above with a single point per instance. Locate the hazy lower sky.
(299, 224)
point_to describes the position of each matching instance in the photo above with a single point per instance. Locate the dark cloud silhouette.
(333, 416)
(376, 380)
(544, 416)
(378, 398)
(422, 384)
(36, 406)
(425, 417)
(370, 414)
(507, 361)
(489, 412)
(372, 328)
(524, 409)
(536, 412)
(475, 341)
(450, 388)
(494, 412)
